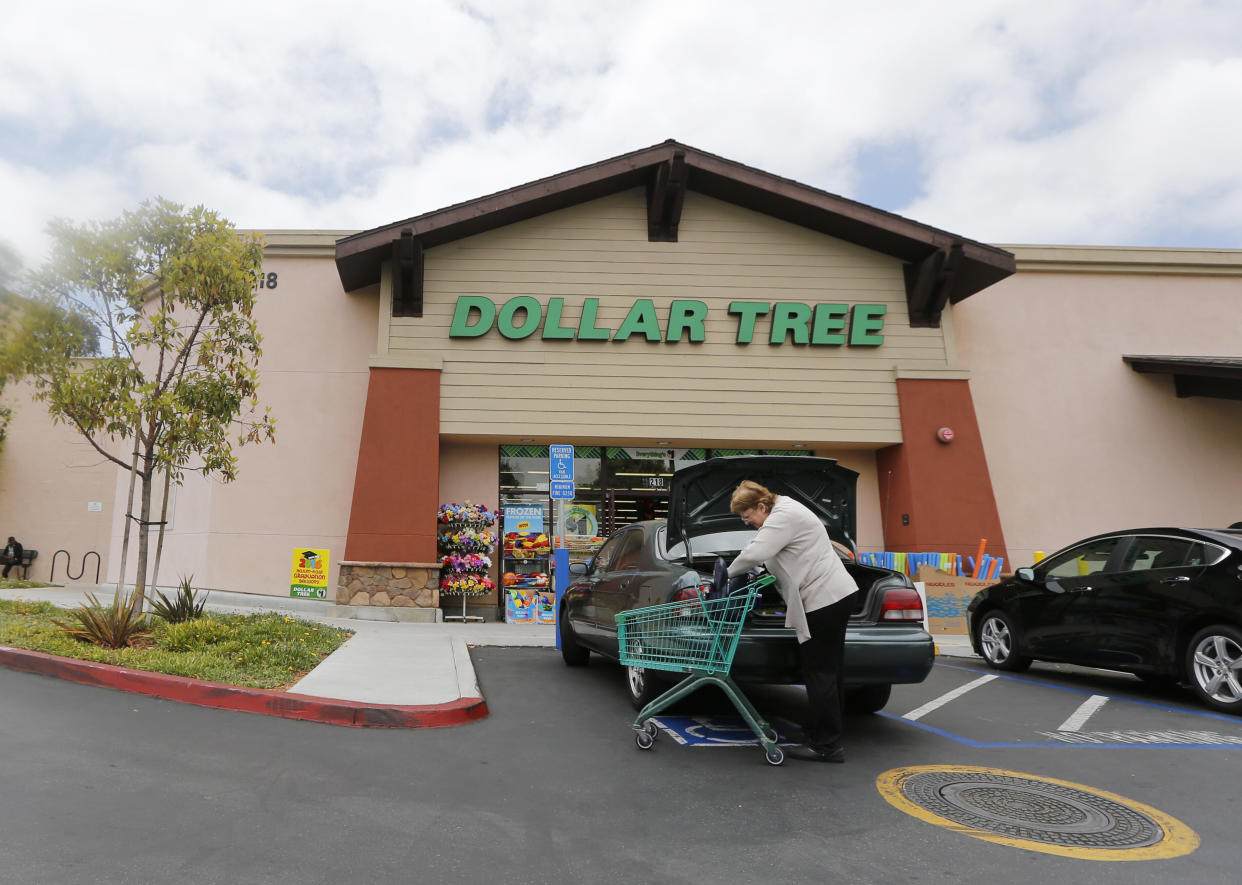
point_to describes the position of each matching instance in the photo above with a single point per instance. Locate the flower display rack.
(465, 542)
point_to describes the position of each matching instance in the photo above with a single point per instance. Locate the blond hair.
(749, 495)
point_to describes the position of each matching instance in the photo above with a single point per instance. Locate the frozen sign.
(523, 518)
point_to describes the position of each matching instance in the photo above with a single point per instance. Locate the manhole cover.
(1037, 813)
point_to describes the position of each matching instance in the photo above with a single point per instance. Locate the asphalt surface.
(107, 787)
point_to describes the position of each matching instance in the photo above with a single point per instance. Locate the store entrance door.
(621, 508)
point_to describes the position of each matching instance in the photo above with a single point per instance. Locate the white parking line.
(945, 698)
(1083, 713)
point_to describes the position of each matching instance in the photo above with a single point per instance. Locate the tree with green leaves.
(10, 266)
(170, 292)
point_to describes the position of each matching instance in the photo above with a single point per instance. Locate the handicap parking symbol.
(718, 731)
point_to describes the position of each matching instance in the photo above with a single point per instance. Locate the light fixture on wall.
(526, 439)
(661, 442)
(799, 445)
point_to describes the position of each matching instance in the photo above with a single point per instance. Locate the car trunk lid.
(699, 495)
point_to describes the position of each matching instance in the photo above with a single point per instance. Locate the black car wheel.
(867, 698)
(643, 687)
(1213, 660)
(572, 653)
(997, 639)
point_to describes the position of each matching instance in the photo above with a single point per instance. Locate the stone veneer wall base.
(400, 587)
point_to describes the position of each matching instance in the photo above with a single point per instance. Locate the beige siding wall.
(297, 492)
(637, 390)
(1077, 442)
(50, 478)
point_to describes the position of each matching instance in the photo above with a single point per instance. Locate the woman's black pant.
(821, 657)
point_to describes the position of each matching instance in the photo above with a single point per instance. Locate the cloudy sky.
(1059, 121)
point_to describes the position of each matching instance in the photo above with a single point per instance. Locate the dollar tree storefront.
(653, 310)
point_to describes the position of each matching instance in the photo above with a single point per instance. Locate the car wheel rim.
(996, 640)
(637, 679)
(1216, 664)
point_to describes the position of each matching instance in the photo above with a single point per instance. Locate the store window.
(614, 486)
(524, 469)
(639, 469)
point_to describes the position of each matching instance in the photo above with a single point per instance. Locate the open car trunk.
(699, 511)
(770, 609)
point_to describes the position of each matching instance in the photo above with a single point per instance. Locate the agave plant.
(114, 626)
(185, 606)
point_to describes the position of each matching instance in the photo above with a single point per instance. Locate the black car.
(1162, 603)
(658, 561)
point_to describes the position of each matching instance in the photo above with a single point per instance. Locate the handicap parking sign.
(717, 731)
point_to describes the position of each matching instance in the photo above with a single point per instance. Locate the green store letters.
(793, 321)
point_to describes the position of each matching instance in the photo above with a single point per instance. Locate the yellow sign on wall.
(308, 578)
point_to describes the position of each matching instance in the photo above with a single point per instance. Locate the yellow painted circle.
(1178, 840)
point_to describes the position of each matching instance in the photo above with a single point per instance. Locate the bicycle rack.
(69, 562)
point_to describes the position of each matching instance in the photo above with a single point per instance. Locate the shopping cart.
(697, 637)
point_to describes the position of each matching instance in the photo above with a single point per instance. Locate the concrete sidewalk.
(389, 673)
(394, 674)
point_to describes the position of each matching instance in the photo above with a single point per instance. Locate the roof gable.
(941, 267)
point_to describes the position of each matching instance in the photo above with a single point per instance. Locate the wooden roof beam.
(407, 275)
(665, 196)
(931, 284)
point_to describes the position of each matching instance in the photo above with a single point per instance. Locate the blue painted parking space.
(719, 731)
(988, 710)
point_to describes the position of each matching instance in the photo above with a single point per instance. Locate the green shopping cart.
(697, 637)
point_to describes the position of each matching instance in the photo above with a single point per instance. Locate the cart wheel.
(775, 756)
(644, 740)
(651, 728)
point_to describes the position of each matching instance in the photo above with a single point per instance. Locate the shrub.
(194, 634)
(185, 606)
(116, 626)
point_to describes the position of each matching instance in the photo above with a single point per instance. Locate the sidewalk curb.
(246, 700)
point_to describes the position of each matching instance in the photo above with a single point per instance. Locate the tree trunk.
(159, 544)
(144, 538)
(129, 516)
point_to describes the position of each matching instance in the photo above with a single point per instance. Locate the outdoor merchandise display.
(526, 566)
(465, 543)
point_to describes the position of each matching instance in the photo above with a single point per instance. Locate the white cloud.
(1053, 122)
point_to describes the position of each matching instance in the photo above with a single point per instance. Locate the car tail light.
(901, 604)
(685, 594)
(691, 594)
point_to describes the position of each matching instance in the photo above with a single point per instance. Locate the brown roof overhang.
(941, 267)
(1214, 376)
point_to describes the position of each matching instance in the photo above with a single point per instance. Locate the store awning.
(1215, 376)
(940, 267)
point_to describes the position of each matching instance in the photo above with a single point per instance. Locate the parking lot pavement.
(1056, 706)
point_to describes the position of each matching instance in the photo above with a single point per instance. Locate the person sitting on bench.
(12, 555)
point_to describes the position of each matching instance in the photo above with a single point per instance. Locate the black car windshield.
(715, 544)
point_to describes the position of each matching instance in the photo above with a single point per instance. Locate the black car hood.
(699, 495)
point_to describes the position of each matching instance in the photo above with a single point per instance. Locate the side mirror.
(577, 569)
(1026, 574)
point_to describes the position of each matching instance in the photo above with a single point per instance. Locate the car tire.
(642, 686)
(573, 654)
(1213, 661)
(867, 698)
(997, 640)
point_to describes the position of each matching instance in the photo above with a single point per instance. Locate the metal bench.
(28, 556)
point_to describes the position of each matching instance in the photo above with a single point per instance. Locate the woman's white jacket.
(794, 546)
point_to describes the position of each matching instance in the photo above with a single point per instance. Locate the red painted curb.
(246, 700)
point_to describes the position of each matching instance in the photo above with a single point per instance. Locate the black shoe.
(811, 753)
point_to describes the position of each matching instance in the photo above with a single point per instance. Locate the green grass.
(266, 650)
